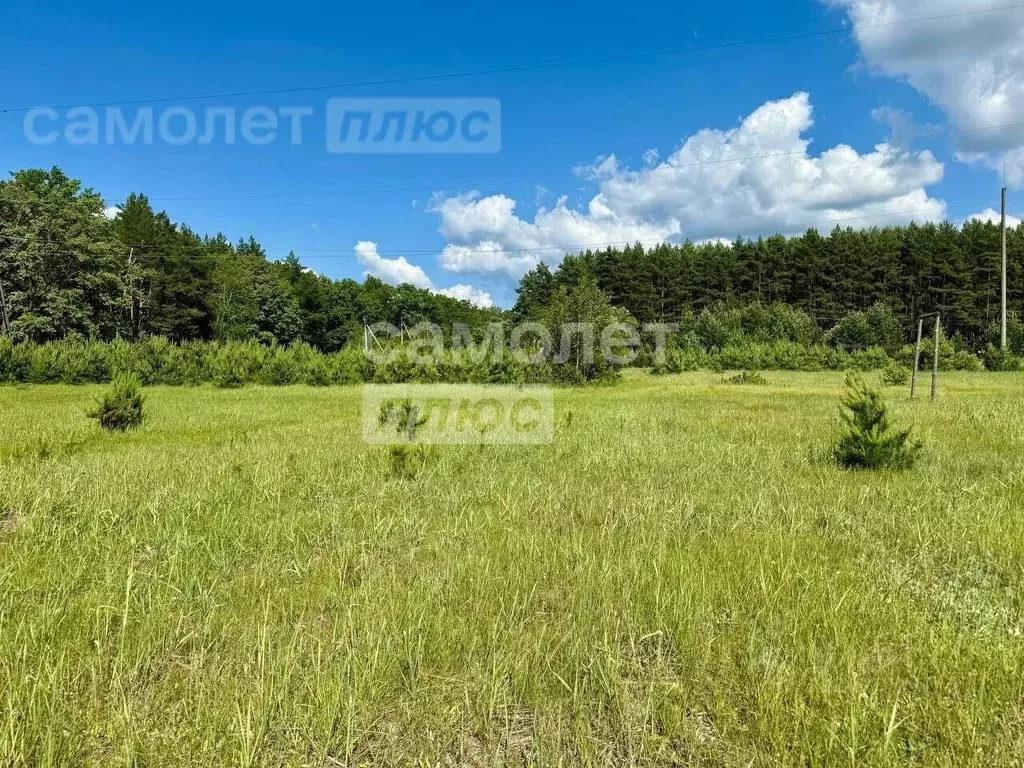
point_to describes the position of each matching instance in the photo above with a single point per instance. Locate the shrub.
(407, 460)
(120, 408)
(712, 332)
(7, 372)
(997, 359)
(774, 323)
(679, 361)
(875, 327)
(871, 359)
(868, 440)
(895, 375)
(404, 418)
(237, 363)
(951, 356)
(747, 377)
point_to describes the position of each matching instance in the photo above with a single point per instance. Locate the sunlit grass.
(680, 578)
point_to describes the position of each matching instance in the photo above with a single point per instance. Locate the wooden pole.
(1002, 336)
(4, 319)
(935, 358)
(917, 358)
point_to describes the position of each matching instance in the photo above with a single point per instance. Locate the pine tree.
(868, 440)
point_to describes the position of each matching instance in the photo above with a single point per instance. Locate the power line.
(844, 30)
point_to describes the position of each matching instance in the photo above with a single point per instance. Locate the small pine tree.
(747, 377)
(895, 375)
(403, 417)
(407, 459)
(120, 408)
(868, 440)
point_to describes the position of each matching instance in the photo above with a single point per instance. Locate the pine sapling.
(407, 458)
(895, 375)
(120, 408)
(868, 440)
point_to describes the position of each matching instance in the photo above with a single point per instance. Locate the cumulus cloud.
(758, 177)
(111, 212)
(968, 63)
(396, 271)
(992, 215)
(464, 292)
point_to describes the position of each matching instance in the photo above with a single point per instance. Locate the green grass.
(681, 578)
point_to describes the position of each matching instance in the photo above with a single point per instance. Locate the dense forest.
(70, 272)
(913, 270)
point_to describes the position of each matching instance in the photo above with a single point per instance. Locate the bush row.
(790, 356)
(235, 364)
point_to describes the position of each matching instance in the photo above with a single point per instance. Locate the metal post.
(917, 358)
(935, 358)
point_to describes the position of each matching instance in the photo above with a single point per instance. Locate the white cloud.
(464, 292)
(992, 215)
(758, 177)
(969, 64)
(111, 213)
(393, 271)
(399, 270)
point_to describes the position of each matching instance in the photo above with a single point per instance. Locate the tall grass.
(674, 581)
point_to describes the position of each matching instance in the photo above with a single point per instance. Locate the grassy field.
(681, 578)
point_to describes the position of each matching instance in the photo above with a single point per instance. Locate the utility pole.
(134, 303)
(1002, 336)
(4, 319)
(917, 358)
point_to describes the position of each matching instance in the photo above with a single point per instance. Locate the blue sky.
(822, 103)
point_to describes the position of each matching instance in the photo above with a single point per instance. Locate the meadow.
(681, 578)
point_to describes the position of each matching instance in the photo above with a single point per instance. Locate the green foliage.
(404, 418)
(868, 440)
(70, 272)
(953, 356)
(752, 378)
(407, 461)
(239, 363)
(875, 327)
(895, 375)
(1014, 334)
(994, 359)
(583, 304)
(120, 408)
(681, 360)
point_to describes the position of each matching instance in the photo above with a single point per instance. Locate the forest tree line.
(70, 272)
(912, 270)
